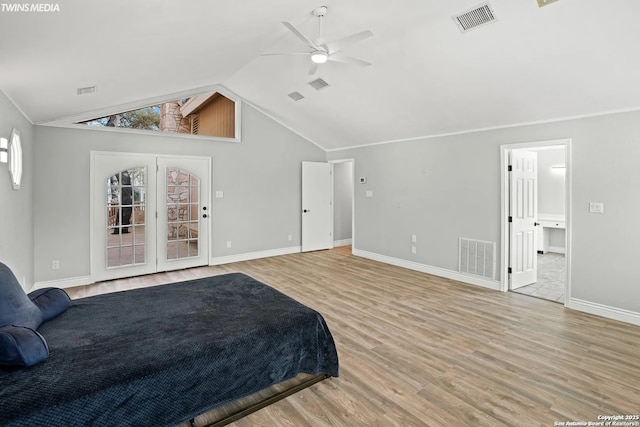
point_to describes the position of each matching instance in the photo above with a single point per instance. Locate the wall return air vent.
(479, 16)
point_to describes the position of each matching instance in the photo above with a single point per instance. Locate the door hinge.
(510, 219)
(157, 168)
(509, 270)
(156, 214)
(509, 168)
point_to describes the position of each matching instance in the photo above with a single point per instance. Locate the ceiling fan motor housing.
(320, 11)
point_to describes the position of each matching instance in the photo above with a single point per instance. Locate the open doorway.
(540, 255)
(343, 202)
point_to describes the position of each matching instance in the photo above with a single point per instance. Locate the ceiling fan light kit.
(319, 56)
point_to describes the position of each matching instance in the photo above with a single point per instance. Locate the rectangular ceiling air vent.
(86, 90)
(474, 18)
(318, 84)
(296, 96)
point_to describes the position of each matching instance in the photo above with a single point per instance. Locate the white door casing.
(523, 211)
(317, 209)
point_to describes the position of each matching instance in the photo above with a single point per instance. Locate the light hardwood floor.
(419, 350)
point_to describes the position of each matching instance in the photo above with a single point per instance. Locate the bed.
(163, 355)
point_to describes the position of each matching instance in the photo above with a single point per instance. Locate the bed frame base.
(236, 415)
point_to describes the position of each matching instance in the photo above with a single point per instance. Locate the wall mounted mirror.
(15, 159)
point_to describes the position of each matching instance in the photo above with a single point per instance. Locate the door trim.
(504, 208)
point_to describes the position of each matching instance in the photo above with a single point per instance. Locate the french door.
(149, 213)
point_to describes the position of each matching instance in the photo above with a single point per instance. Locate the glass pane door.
(183, 207)
(183, 218)
(123, 204)
(126, 218)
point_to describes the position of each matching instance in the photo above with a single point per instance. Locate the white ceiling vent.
(479, 16)
(296, 96)
(86, 90)
(318, 84)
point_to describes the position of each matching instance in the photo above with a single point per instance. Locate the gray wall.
(447, 187)
(342, 200)
(16, 219)
(551, 182)
(260, 177)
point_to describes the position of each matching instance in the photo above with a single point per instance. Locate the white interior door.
(183, 212)
(317, 213)
(523, 259)
(123, 235)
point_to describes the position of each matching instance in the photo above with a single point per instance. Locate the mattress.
(162, 355)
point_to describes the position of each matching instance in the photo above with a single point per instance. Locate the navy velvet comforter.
(162, 355)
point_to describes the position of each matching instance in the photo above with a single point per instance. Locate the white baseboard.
(557, 249)
(436, 271)
(344, 242)
(63, 283)
(254, 255)
(605, 311)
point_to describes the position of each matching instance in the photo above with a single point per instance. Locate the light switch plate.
(369, 193)
(596, 207)
(219, 194)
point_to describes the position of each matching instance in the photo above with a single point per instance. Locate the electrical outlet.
(55, 264)
(289, 237)
(414, 238)
(228, 243)
(413, 249)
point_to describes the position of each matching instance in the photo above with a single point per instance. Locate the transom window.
(208, 114)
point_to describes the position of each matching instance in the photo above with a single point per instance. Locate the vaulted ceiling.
(570, 58)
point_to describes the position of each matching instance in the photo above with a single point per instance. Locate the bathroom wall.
(551, 190)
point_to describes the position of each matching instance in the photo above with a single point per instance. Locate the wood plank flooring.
(419, 350)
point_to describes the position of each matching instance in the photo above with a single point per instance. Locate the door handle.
(306, 210)
(535, 224)
(204, 215)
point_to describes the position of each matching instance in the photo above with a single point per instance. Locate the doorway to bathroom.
(535, 210)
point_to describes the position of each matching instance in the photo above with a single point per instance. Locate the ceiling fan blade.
(301, 36)
(284, 53)
(314, 68)
(344, 42)
(338, 57)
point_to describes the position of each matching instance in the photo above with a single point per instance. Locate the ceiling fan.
(323, 51)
